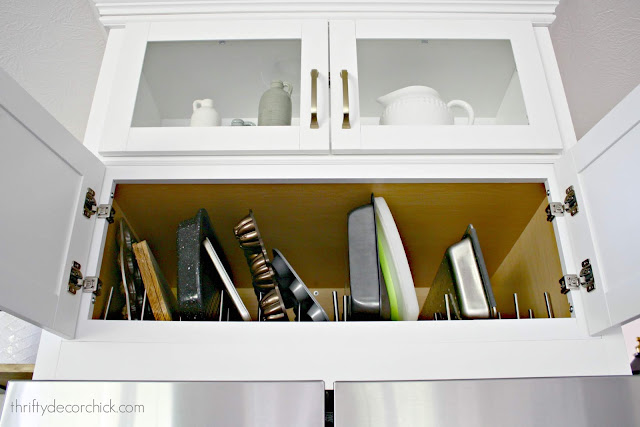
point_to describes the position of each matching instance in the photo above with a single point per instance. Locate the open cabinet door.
(45, 175)
(606, 229)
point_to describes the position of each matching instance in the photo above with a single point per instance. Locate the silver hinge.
(568, 282)
(586, 276)
(570, 205)
(106, 212)
(77, 282)
(91, 284)
(574, 281)
(90, 205)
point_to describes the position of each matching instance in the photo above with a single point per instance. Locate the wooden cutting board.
(163, 302)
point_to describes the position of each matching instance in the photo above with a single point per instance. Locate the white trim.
(210, 140)
(556, 88)
(223, 29)
(103, 92)
(325, 160)
(122, 102)
(118, 12)
(48, 354)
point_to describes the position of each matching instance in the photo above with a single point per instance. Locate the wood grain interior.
(531, 268)
(109, 271)
(308, 223)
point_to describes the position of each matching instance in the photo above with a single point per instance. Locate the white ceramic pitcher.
(204, 114)
(419, 105)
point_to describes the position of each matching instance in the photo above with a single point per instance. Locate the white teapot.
(419, 105)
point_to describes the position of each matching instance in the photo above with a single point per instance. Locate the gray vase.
(275, 105)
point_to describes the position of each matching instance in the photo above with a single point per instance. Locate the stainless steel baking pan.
(462, 279)
(368, 299)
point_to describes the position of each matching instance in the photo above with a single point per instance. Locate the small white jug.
(204, 114)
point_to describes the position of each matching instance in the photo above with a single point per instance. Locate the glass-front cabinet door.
(220, 87)
(417, 86)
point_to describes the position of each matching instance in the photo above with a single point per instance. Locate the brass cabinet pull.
(345, 99)
(314, 99)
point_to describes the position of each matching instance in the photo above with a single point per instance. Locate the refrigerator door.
(164, 404)
(549, 402)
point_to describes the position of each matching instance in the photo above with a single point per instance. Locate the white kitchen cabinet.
(163, 67)
(154, 190)
(493, 65)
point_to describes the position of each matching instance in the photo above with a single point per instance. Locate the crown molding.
(115, 13)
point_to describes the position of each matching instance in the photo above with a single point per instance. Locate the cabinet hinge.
(87, 284)
(570, 205)
(91, 207)
(568, 282)
(586, 276)
(106, 212)
(574, 281)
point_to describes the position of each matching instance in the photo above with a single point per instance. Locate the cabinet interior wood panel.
(530, 269)
(308, 223)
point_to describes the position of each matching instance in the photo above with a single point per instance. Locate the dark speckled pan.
(199, 284)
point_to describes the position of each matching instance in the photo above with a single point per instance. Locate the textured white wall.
(597, 44)
(54, 49)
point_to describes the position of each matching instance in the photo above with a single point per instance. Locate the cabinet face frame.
(119, 138)
(300, 170)
(540, 136)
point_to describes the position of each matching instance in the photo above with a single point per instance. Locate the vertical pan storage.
(307, 225)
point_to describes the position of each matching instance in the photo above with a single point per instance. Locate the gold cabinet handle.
(345, 99)
(314, 99)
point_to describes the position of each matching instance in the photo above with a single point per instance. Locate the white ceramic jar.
(275, 105)
(419, 105)
(204, 114)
